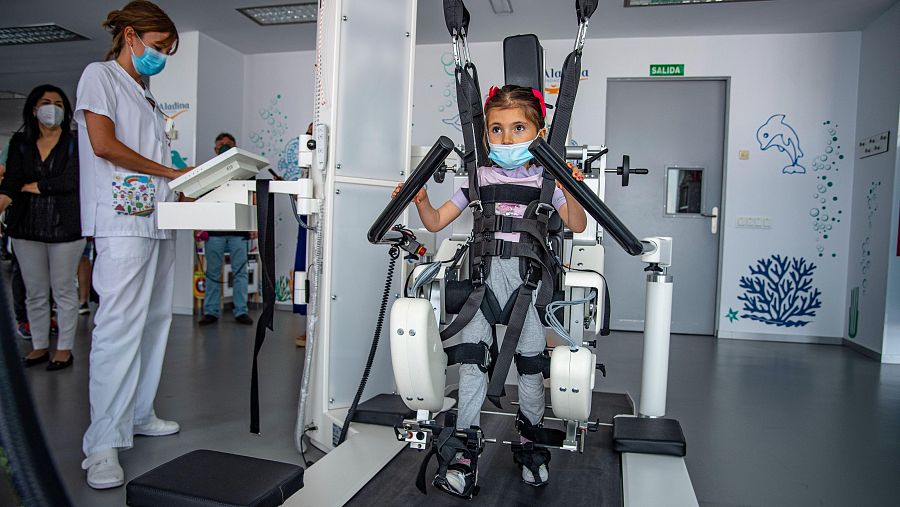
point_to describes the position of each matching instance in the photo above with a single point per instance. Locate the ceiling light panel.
(501, 6)
(282, 14)
(36, 34)
(652, 3)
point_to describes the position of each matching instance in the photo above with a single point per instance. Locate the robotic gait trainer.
(572, 296)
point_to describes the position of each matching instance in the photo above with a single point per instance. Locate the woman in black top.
(41, 190)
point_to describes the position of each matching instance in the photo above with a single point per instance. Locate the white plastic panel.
(571, 382)
(357, 282)
(417, 354)
(373, 89)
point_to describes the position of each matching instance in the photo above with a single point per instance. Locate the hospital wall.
(874, 248)
(810, 78)
(277, 107)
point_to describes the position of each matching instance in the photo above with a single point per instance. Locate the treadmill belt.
(592, 478)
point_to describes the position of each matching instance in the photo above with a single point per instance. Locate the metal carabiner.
(582, 33)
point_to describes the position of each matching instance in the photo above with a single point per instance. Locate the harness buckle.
(477, 205)
(542, 206)
(530, 281)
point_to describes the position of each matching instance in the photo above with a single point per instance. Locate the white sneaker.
(528, 477)
(156, 427)
(103, 469)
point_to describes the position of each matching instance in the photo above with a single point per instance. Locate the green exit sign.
(667, 70)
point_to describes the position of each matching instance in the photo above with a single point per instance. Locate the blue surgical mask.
(511, 156)
(151, 63)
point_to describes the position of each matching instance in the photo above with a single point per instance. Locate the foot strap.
(529, 456)
(446, 446)
(538, 433)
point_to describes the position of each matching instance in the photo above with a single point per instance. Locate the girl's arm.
(572, 213)
(433, 219)
(102, 134)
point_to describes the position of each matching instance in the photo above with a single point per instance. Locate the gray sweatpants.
(47, 266)
(503, 279)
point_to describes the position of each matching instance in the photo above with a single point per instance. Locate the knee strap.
(530, 365)
(470, 353)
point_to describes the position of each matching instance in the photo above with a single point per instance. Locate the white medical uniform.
(133, 271)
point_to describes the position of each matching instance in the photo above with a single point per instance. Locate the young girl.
(514, 118)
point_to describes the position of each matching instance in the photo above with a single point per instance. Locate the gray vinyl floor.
(767, 424)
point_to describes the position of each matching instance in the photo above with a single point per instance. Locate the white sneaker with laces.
(103, 469)
(156, 427)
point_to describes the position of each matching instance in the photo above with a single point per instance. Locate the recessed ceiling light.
(36, 34)
(501, 6)
(653, 3)
(10, 95)
(282, 14)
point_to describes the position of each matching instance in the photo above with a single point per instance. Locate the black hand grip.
(592, 204)
(420, 176)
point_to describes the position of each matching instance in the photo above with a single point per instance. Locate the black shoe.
(60, 365)
(207, 320)
(29, 362)
(244, 319)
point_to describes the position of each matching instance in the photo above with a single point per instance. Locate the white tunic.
(114, 200)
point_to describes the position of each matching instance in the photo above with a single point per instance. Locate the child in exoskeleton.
(514, 117)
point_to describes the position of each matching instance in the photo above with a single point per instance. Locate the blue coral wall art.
(779, 292)
(778, 134)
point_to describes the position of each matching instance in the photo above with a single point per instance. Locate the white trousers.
(134, 278)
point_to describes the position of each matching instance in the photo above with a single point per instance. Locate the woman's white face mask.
(50, 115)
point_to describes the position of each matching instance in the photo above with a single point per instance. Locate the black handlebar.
(420, 176)
(551, 162)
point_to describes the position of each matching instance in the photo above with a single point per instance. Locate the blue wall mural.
(776, 133)
(865, 260)
(779, 292)
(449, 113)
(826, 212)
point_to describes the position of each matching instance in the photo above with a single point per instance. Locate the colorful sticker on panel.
(778, 134)
(133, 194)
(779, 292)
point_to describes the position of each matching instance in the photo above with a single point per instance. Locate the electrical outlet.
(744, 155)
(873, 145)
(754, 222)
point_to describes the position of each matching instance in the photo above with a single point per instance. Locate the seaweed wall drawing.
(779, 292)
(776, 133)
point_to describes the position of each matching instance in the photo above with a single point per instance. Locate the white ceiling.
(25, 66)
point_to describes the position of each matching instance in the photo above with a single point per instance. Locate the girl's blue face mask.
(151, 63)
(510, 156)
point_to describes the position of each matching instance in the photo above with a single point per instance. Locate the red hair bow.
(540, 96)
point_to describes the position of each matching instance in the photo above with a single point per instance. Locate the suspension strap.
(568, 88)
(497, 384)
(456, 16)
(265, 220)
(584, 9)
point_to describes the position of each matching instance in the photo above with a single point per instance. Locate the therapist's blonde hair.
(144, 17)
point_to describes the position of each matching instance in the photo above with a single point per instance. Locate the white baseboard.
(787, 338)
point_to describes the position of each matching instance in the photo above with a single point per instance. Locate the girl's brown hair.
(144, 17)
(512, 96)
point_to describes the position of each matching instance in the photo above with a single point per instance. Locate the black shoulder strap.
(568, 88)
(584, 9)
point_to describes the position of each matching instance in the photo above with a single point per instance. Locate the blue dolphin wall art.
(775, 132)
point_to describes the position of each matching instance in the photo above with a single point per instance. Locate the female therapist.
(125, 170)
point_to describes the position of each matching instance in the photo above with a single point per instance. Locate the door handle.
(714, 227)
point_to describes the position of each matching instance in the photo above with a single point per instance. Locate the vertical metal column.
(657, 323)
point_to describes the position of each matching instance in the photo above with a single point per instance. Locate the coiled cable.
(385, 298)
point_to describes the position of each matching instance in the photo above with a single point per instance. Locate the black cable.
(385, 298)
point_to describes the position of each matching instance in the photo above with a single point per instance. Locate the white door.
(676, 129)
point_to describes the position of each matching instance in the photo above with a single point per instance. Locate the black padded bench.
(204, 477)
(647, 435)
